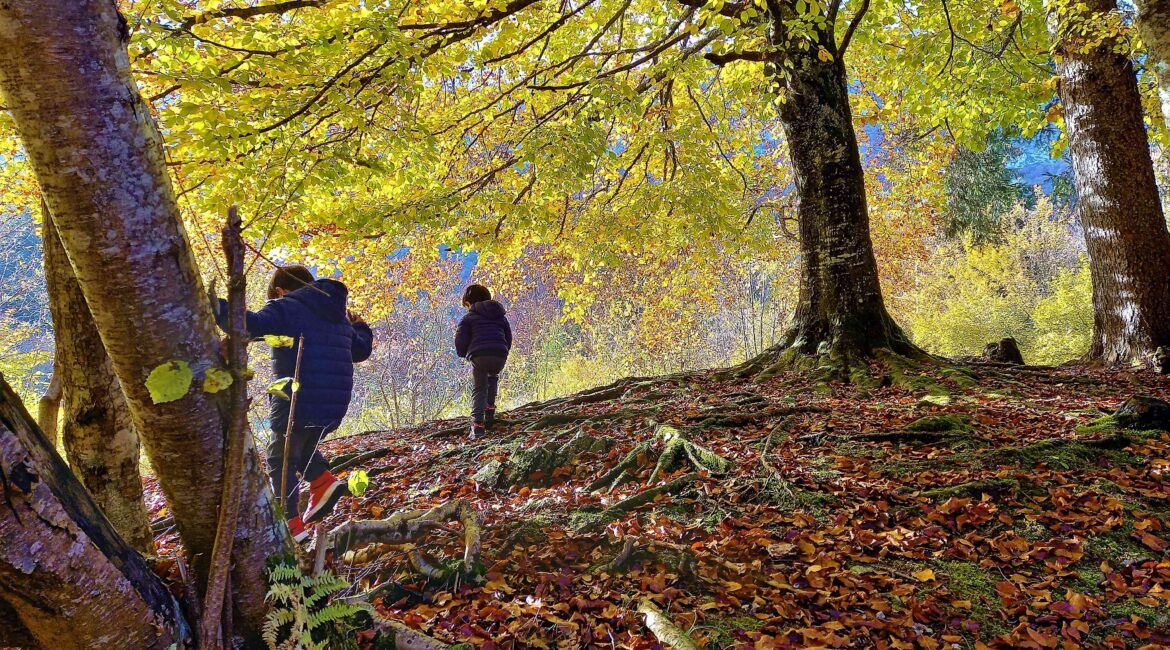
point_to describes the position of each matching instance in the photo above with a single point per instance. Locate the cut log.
(70, 579)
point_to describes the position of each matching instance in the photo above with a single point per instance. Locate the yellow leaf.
(216, 379)
(824, 55)
(925, 575)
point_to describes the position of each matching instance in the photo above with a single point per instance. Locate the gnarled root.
(406, 527)
(401, 637)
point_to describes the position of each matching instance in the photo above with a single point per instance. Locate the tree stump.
(1143, 412)
(1005, 351)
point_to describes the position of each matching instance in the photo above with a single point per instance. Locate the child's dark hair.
(289, 278)
(476, 293)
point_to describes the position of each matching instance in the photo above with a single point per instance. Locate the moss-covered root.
(624, 507)
(677, 447)
(612, 478)
(405, 527)
(664, 629)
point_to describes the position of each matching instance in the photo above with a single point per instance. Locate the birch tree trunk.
(840, 310)
(1153, 21)
(100, 441)
(90, 138)
(66, 575)
(1117, 195)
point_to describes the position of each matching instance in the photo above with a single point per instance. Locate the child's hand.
(354, 318)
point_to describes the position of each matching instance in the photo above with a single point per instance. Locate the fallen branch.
(400, 637)
(664, 629)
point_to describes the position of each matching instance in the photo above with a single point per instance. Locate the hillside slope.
(987, 508)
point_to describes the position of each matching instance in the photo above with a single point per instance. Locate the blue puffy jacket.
(332, 346)
(484, 330)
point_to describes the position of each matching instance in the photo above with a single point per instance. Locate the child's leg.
(479, 378)
(315, 463)
(493, 387)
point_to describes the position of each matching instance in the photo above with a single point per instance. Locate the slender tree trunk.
(1153, 21)
(840, 311)
(1117, 195)
(49, 408)
(65, 77)
(68, 577)
(100, 440)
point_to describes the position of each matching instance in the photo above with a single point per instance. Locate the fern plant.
(303, 617)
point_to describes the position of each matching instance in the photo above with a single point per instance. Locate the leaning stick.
(292, 412)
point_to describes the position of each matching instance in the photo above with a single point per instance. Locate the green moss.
(1130, 608)
(941, 423)
(969, 581)
(723, 630)
(974, 489)
(1032, 530)
(962, 377)
(1117, 546)
(1088, 580)
(1057, 454)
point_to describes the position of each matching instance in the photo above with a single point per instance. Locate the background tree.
(98, 436)
(1117, 195)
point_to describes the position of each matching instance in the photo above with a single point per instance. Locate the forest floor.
(982, 507)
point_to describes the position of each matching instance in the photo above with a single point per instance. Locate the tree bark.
(1117, 195)
(98, 157)
(49, 408)
(100, 441)
(64, 572)
(1153, 21)
(840, 309)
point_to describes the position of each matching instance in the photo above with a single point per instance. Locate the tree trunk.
(1153, 21)
(100, 441)
(840, 311)
(64, 572)
(49, 408)
(65, 77)
(1117, 195)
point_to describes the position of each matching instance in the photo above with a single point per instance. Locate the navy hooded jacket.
(332, 346)
(484, 330)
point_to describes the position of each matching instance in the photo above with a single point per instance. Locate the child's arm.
(508, 333)
(462, 337)
(363, 340)
(269, 320)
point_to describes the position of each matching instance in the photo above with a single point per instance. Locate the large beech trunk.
(65, 77)
(100, 441)
(1153, 21)
(64, 572)
(840, 310)
(1117, 195)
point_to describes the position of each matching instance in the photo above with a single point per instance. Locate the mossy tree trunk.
(840, 310)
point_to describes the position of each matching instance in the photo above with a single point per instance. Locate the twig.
(233, 464)
(292, 410)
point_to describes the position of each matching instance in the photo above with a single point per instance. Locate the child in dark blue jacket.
(485, 338)
(335, 339)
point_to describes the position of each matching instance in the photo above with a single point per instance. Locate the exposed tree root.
(735, 419)
(538, 465)
(347, 461)
(592, 522)
(613, 478)
(664, 629)
(409, 527)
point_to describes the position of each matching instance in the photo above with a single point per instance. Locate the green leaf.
(278, 387)
(359, 482)
(169, 382)
(216, 379)
(279, 341)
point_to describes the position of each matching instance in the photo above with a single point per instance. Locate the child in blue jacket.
(335, 339)
(485, 338)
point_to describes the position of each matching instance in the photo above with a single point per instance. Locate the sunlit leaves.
(216, 380)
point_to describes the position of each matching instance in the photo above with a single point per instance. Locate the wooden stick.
(210, 627)
(664, 629)
(292, 411)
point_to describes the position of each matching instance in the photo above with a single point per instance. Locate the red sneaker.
(297, 527)
(324, 493)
